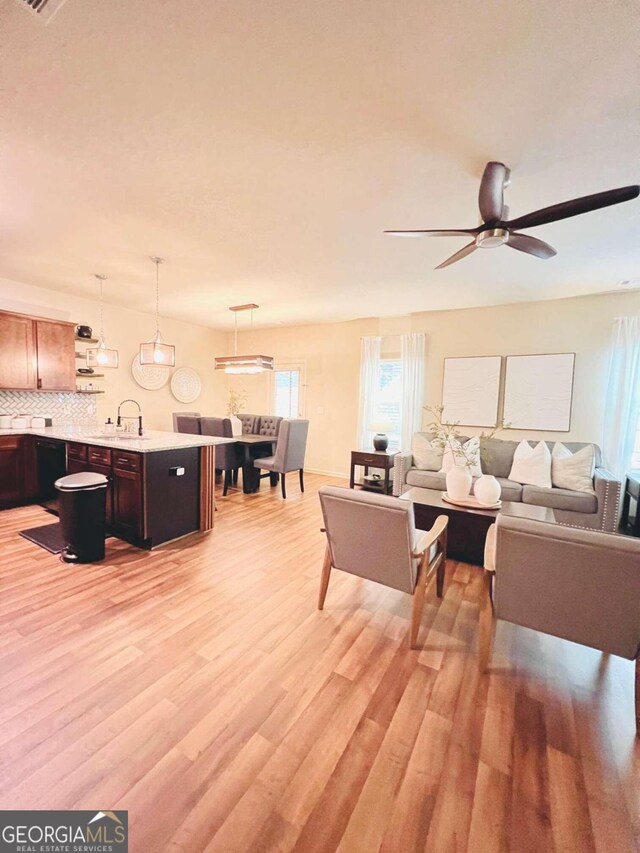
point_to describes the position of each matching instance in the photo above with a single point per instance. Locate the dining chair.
(176, 415)
(289, 455)
(248, 423)
(227, 459)
(188, 424)
(573, 583)
(374, 537)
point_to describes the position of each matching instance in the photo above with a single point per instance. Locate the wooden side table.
(383, 459)
(631, 490)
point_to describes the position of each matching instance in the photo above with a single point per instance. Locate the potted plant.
(463, 459)
(236, 402)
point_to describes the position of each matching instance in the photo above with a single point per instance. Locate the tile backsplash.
(64, 408)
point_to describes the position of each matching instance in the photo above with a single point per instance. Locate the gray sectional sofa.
(598, 509)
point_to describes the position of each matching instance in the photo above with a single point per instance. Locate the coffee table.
(468, 527)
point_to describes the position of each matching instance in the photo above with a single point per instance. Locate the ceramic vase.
(458, 482)
(236, 425)
(487, 490)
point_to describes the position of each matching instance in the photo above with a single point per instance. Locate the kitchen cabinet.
(17, 351)
(127, 504)
(36, 354)
(17, 470)
(55, 356)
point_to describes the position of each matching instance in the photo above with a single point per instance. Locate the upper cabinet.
(36, 354)
(56, 356)
(17, 351)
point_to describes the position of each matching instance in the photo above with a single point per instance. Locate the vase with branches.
(236, 401)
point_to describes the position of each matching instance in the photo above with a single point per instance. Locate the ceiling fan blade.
(575, 207)
(491, 195)
(462, 232)
(462, 253)
(531, 245)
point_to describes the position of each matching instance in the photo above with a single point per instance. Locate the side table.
(383, 459)
(631, 490)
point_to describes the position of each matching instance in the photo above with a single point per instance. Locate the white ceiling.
(262, 147)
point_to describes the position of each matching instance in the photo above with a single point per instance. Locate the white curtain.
(369, 380)
(412, 351)
(622, 402)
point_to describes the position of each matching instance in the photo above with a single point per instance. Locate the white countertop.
(153, 440)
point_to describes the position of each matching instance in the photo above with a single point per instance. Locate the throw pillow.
(469, 450)
(427, 456)
(531, 465)
(573, 470)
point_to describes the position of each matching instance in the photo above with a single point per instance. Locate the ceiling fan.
(497, 230)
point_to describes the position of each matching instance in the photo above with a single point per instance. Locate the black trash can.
(82, 501)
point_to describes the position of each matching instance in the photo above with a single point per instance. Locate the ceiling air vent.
(45, 9)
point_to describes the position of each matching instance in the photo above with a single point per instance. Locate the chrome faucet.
(131, 417)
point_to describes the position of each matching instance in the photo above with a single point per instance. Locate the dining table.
(251, 475)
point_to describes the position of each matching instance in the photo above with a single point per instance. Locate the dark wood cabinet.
(97, 468)
(36, 354)
(13, 473)
(55, 356)
(17, 351)
(127, 504)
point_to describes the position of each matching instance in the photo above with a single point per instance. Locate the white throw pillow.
(470, 450)
(573, 470)
(427, 456)
(531, 465)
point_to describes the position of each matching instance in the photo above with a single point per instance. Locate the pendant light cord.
(157, 262)
(101, 279)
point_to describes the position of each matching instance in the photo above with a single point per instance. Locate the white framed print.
(471, 390)
(538, 391)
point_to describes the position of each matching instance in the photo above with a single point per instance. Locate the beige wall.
(332, 356)
(196, 347)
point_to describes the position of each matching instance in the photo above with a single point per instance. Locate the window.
(635, 457)
(389, 403)
(287, 391)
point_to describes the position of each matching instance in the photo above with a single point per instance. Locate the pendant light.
(243, 363)
(101, 356)
(156, 351)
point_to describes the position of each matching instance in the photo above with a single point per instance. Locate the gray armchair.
(374, 537)
(227, 458)
(289, 455)
(580, 585)
(176, 415)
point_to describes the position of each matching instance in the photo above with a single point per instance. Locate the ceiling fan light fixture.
(491, 238)
(101, 355)
(156, 351)
(243, 364)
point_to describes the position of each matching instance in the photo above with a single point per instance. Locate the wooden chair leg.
(301, 472)
(273, 478)
(418, 603)
(487, 626)
(227, 481)
(324, 580)
(284, 488)
(441, 568)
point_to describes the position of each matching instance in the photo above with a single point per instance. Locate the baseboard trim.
(343, 475)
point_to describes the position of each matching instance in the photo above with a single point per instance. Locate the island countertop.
(150, 442)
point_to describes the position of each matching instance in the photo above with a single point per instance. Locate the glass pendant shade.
(156, 351)
(101, 355)
(237, 364)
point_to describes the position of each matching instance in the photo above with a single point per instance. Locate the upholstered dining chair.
(573, 583)
(248, 423)
(176, 415)
(227, 458)
(289, 455)
(374, 536)
(188, 424)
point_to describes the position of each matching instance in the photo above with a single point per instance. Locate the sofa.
(597, 509)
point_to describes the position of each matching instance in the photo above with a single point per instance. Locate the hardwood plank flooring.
(198, 687)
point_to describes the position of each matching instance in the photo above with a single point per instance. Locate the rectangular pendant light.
(156, 351)
(237, 364)
(102, 356)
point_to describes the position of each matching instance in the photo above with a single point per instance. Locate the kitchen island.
(161, 484)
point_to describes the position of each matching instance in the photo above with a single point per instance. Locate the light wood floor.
(198, 687)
